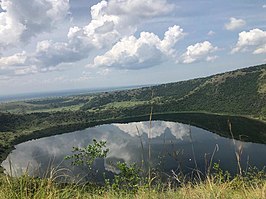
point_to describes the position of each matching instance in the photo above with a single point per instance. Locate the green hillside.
(240, 92)
(237, 93)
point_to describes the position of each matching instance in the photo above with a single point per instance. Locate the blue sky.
(48, 45)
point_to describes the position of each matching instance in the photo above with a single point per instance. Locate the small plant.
(87, 155)
(128, 180)
(219, 175)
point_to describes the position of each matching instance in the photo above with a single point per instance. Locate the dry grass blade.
(238, 149)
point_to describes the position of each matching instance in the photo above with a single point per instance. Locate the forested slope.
(240, 92)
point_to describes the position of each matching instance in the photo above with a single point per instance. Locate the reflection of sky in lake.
(171, 146)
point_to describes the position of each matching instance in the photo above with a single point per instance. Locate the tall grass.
(217, 184)
(214, 187)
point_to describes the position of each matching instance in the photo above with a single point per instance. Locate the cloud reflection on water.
(124, 143)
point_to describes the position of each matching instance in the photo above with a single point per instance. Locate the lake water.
(174, 147)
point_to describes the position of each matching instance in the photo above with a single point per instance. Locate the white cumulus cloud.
(199, 52)
(16, 64)
(254, 40)
(234, 24)
(114, 19)
(146, 51)
(13, 60)
(22, 20)
(49, 53)
(111, 21)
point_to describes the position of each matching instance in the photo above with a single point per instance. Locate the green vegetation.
(213, 187)
(89, 154)
(129, 182)
(240, 93)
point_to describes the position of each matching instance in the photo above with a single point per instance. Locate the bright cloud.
(24, 19)
(13, 60)
(146, 51)
(234, 24)
(110, 22)
(37, 36)
(16, 65)
(199, 52)
(180, 131)
(254, 40)
(50, 53)
(114, 19)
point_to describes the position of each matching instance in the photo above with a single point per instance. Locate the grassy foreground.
(215, 186)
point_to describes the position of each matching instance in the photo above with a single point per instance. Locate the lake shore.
(201, 120)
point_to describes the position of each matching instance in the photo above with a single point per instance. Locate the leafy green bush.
(87, 155)
(128, 179)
